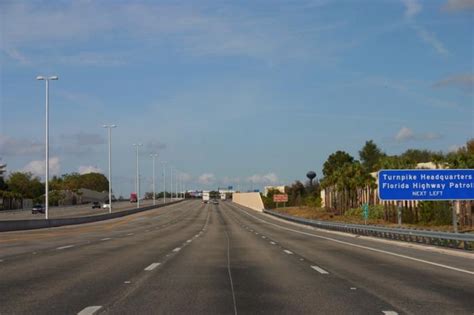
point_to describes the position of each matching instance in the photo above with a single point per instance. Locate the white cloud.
(270, 178)
(431, 39)
(412, 8)
(404, 134)
(83, 139)
(459, 5)
(465, 82)
(197, 30)
(86, 169)
(206, 179)
(10, 146)
(407, 134)
(38, 167)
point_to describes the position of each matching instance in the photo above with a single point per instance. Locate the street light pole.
(136, 145)
(154, 156)
(164, 181)
(171, 184)
(46, 188)
(109, 127)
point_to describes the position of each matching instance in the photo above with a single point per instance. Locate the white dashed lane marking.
(64, 247)
(130, 234)
(177, 249)
(390, 312)
(152, 266)
(106, 239)
(320, 270)
(89, 310)
(273, 243)
(288, 252)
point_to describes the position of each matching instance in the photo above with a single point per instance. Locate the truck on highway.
(133, 197)
(205, 196)
(223, 196)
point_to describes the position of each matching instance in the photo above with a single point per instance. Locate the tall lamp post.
(164, 181)
(109, 129)
(46, 188)
(137, 145)
(171, 182)
(154, 156)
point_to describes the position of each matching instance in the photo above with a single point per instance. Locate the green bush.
(313, 201)
(435, 212)
(375, 212)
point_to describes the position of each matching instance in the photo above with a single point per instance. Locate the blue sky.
(242, 93)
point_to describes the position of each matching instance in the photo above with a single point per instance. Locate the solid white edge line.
(64, 247)
(366, 247)
(89, 310)
(320, 270)
(288, 252)
(152, 266)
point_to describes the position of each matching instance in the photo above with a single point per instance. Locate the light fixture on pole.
(137, 145)
(154, 156)
(109, 127)
(46, 188)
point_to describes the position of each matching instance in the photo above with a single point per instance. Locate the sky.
(231, 93)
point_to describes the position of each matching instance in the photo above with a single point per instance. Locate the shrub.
(435, 212)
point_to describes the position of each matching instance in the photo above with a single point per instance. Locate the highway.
(73, 211)
(194, 258)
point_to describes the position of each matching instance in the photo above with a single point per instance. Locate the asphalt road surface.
(73, 211)
(194, 258)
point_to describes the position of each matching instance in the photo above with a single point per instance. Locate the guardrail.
(446, 239)
(17, 225)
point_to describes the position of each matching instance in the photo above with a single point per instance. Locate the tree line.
(24, 185)
(348, 182)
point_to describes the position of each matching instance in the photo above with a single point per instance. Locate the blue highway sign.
(426, 184)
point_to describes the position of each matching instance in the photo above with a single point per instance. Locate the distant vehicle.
(133, 197)
(105, 205)
(37, 209)
(95, 205)
(223, 197)
(205, 197)
(215, 202)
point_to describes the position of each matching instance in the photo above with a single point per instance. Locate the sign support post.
(455, 217)
(399, 212)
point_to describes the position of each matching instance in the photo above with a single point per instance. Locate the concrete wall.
(251, 200)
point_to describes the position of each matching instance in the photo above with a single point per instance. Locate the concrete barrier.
(251, 200)
(17, 225)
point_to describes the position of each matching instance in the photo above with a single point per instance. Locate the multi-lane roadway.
(194, 258)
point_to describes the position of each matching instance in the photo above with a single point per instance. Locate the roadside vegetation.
(24, 185)
(348, 182)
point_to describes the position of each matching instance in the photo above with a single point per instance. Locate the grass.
(322, 214)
